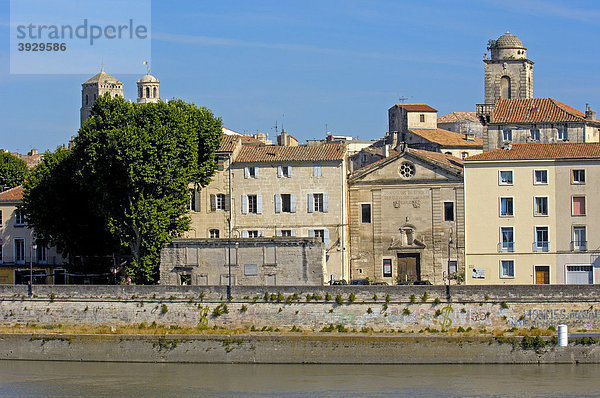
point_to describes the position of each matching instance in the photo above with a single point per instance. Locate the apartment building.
(530, 213)
(20, 253)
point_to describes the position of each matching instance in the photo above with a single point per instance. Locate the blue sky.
(305, 64)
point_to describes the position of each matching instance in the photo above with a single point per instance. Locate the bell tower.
(148, 89)
(508, 74)
(95, 87)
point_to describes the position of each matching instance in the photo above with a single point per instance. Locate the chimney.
(469, 136)
(283, 139)
(589, 113)
(386, 150)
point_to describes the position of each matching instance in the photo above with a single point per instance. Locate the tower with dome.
(508, 74)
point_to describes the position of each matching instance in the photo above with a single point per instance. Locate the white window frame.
(581, 246)
(537, 248)
(284, 171)
(562, 133)
(505, 133)
(535, 180)
(15, 250)
(502, 275)
(535, 212)
(507, 249)
(576, 182)
(220, 199)
(512, 177)
(534, 134)
(512, 200)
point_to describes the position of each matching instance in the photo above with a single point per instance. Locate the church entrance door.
(409, 267)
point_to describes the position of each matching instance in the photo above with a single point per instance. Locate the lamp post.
(450, 244)
(229, 274)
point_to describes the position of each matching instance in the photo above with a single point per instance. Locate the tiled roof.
(417, 107)
(534, 110)
(101, 78)
(448, 160)
(303, 153)
(12, 195)
(229, 142)
(230, 131)
(563, 150)
(454, 117)
(447, 138)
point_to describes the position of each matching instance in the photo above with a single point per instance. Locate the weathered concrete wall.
(293, 348)
(408, 308)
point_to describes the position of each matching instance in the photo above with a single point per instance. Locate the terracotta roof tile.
(12, 195)
(534, 110)
(274, 153)
(454, 117)
(229, 142)
(417, 107)
(447, 138)
(563, 150)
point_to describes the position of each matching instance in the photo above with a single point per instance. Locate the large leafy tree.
(133, 164)
(12, 170)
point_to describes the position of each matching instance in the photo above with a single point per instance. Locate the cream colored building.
(407, 218)
(531, 214)
(20, 253)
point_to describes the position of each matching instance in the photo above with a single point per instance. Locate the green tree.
(133, 164)
(12, 170)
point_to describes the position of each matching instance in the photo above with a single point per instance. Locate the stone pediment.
(398, 245)
(408, 166)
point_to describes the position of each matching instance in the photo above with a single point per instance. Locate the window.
(387, 267)
(463, 155)
(562, 134)
(365, 213)
(507, 242)
(507, 135)
(19, 251)
(284, 171)
(250, 269)
(578, 207)
(507, 269)
(317, 171)
(322, 234)
(86, 99)
(534, 134)
(147, 92)
(192, 202)
(448, 211)
(19, 219)
(251, 204)
(540, 176)
(318, 202)
(579, 238)
(505, 177)
(506, 207)
(41, 253)
(407, 170)
(253, 234)
(213, 234)
(540, 206)
(220, 201)
(250, 172)
(541, 239)
(285, 203)
(422, 118)
(286, 232)
(578, 176)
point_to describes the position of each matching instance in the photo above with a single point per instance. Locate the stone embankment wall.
(382, 308)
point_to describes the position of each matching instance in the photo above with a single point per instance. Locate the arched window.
(154, 92)
(147, 92)
(505, 87)
(86, 99)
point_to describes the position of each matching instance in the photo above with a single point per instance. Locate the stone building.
(532, 214)
(148, 87)
(20, 253)
(95, 87)
(275, 261)
(407, 218)
(461, 122)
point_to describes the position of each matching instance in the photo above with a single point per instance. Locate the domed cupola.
(148, 89)
(508, 46)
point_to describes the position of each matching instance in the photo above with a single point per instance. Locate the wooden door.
(542, 275)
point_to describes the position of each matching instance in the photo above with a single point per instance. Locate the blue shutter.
(258, 204)
(326, 238)
(277, 232)
(277, 203)
(244, 204)
(325, 203)
(255, 171)
(244, 234)
(293, 232)
(289, 171)
(293, 203)
(317, 171)
(311, 203)
(311, 233)
(196, 201)
(246, 172)
(279, 171)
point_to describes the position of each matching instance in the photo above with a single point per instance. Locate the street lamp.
(450, 244)
(33, 249)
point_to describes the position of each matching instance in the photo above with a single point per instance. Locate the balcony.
(506, 247)
(541, 246)
(578, 245)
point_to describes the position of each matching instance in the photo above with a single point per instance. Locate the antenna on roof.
(282, 119)
(275, 127)
(403, 98)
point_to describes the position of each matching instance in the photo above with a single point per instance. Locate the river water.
(94, 379)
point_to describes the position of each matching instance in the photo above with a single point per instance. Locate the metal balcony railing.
(579, 245)
(506, 247)
(541, 246)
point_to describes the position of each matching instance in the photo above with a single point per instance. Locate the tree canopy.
(132, 164)
(12, 170)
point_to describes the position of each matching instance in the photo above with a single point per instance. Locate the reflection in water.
(69, 379)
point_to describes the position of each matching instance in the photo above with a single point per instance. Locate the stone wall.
(398, 308)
